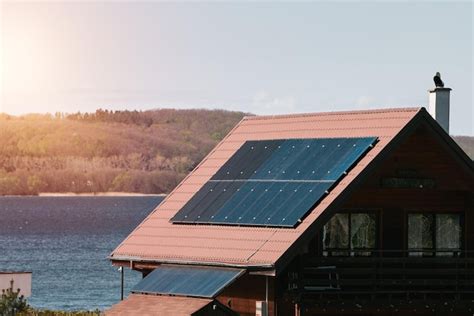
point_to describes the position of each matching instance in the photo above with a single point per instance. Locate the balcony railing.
(408, 275)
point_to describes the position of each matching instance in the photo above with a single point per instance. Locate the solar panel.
(273, 183)
(247, 159)
(187, 281)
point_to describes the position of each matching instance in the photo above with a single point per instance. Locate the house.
(362, 212)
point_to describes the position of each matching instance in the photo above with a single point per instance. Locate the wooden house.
(358, 213)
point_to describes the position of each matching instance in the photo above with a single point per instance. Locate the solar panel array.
(187, 281)
(274, 182)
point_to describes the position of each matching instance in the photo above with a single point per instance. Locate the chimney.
(439, 103)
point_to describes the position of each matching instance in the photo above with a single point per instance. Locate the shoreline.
(65, 194)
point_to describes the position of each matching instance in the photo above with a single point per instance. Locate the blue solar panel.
(273, 183)
(187, 281)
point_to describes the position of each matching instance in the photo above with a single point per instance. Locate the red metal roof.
(156, 239)
(152, 305)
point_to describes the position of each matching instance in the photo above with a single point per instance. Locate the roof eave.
(131, 260)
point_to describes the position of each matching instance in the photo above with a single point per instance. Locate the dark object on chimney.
(437, 80)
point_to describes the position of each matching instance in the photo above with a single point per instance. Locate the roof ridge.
(328, 113)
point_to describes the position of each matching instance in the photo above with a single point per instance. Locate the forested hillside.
(126, 151)
(121, 151)
(466, 143)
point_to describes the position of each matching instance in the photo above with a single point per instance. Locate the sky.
(262, 58)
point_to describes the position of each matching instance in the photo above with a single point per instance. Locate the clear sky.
(264, 58)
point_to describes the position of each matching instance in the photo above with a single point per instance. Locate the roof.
(144, 305)
(156, 239)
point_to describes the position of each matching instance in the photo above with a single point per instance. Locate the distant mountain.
(111, 151)
(466, 143)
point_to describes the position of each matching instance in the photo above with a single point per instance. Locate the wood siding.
(424, 156)
(241, 296)
(427, 158)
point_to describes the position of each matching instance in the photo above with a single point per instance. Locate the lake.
(65, 242)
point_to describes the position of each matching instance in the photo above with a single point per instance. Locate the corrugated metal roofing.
(187, 280)
(152, 305)
(157, 239)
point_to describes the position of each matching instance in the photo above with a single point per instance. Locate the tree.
(9, 184)
(11, 302)
(35, 184)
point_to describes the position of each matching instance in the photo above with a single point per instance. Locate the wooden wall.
(242, 295)
(425, 156)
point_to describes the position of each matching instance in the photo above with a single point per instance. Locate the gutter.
(194, 263)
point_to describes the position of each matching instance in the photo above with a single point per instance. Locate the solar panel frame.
(308, 167)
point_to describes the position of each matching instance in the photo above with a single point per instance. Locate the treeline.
(127, 117)
(106, 151)
(109, 151)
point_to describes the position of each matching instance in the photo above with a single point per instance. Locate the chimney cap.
(439, 89)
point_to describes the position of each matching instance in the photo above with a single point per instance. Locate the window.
(350, 234)
(430, 233)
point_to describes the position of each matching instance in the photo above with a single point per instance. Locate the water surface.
(65, 242)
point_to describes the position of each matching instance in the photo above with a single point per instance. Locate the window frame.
(433, 252)
(349, 251)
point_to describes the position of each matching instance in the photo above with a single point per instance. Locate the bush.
(11, 302)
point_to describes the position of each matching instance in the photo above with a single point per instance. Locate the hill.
(466, 143)
(120, 151)
(127, 151)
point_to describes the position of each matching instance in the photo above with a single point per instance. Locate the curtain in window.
(351, 232)
(420, 231)
(430, 231)
(363, 231)
(448, 233)
(336, 232)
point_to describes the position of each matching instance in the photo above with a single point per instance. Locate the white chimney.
(439, 104)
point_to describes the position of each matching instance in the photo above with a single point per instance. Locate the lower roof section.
(205, 282)
(148, 305)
